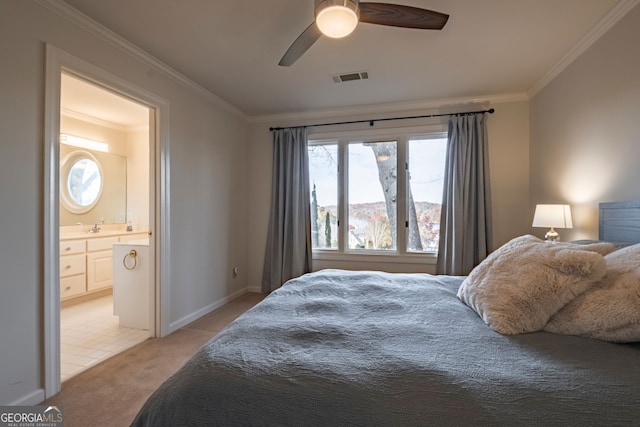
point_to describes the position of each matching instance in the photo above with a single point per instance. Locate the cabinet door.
(99, 270)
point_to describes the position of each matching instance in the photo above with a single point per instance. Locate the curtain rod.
(372, 121)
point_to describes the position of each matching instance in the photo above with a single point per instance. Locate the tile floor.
(89, 334)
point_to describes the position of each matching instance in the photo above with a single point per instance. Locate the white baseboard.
(255, 289)
(33, 398)
(174, 326)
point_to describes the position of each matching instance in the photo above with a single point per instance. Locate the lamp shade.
(552, 216)
(336, 18)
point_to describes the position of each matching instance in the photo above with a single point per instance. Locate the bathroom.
(105, 201)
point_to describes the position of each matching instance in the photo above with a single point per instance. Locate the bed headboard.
(620, 222)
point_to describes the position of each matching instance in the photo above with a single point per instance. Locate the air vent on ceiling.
(349, 77)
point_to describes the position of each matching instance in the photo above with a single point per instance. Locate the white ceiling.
(83, 100)
(232, 48)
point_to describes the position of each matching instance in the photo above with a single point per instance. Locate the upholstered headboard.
(620, 222)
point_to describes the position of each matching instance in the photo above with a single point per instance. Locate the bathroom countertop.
(102, 233)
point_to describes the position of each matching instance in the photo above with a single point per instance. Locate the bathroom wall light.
(80, 142)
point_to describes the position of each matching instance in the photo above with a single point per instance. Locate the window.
(425, 182)
(361, 204)
(372, 195)
(323, 174)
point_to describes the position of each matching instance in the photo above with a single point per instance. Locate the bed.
(371, 348)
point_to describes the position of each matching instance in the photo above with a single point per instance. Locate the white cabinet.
(100, 262)
(72, 268)
(68, 247)
(99, 270)
(71, 265)
(101, 243)
(86, 265)
(132, 294)
(72, 286)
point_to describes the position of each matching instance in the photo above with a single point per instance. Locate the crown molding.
(387, 108)
(85, 23)
(93, 120)
(605, 24)
(100, 122)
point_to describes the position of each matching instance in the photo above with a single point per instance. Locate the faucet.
(95, 228)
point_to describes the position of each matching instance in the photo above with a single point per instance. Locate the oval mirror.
(80, 182)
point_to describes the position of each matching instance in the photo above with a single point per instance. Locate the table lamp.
(552, 216)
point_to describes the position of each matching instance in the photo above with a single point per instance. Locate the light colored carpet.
(111, 393)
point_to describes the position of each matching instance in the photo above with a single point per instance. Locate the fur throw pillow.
(610, 311)
(518, 287)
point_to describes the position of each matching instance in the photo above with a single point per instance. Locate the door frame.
(57, 62)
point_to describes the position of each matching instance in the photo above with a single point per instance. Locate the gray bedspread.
(337, 348)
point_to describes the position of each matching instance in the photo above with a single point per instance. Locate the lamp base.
(552, 235)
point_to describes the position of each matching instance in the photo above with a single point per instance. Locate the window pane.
(372, 195)
(323, 179)
(426, 180)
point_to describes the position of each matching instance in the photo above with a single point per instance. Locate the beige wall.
(116, 138)
(207, 221)
(138, 179)
(509, 162)
(585, 130)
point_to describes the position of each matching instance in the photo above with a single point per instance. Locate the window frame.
(402, 136)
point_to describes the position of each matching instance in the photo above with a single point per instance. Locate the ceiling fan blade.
(301, 45)
(396, 15)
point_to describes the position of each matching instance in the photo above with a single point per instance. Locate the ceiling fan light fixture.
(336, 18)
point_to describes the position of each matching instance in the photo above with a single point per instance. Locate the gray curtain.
(465, 223)
(288, 251)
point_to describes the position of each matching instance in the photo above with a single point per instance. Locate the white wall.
(207, 187)
(116, 138)
(138, 179)
(585, 130)
(509, 162)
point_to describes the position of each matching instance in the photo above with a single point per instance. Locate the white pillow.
(518, 287)
(609, 311)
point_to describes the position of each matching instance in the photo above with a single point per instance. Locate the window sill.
(396, 258)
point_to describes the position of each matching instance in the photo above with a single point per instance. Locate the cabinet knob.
(68, 288)
(68, 248)
(67, 267)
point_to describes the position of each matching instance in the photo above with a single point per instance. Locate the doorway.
(105, 207)
(97, 252)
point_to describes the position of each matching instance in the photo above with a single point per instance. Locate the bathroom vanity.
(86, 262)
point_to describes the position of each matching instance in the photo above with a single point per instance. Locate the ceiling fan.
(338, 18)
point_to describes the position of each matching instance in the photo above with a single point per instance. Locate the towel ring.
(133, 254)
